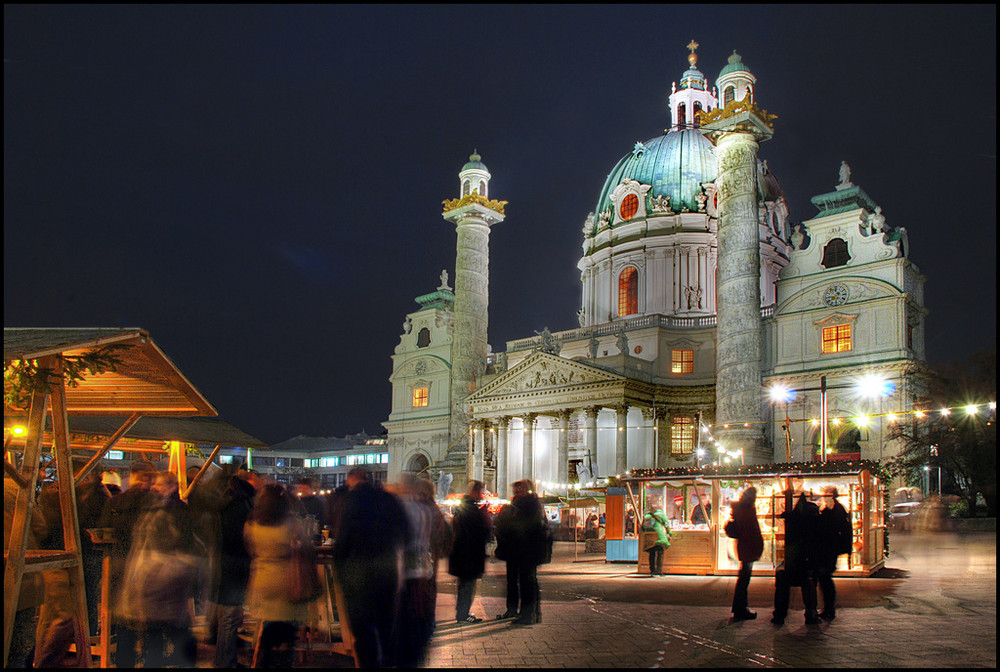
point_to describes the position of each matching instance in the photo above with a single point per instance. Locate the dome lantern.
(474, 177)
(691, 96)
(735, 81)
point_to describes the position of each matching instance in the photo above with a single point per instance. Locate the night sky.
(260, 187)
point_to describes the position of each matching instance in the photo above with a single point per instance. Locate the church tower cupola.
(735, 81)
(474, 177)
(691, 96)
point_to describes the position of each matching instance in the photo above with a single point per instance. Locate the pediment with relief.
(543, 371)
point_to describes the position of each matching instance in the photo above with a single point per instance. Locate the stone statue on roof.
(622, 342)
(444, 280)
(845, 176)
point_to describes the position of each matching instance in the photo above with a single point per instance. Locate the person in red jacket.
(749, 546)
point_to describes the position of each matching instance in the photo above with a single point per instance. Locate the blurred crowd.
(227, 551)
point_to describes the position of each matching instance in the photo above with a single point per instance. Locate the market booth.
(697, 502)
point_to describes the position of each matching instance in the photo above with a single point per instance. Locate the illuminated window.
(682, 115)
(420, 397)
(370, 458)
(682, 361)
(697, 109)
(465, 188)
(837, 338)
(748, 95)
(225, 459)
(115, 455)
(628, 292)
(682, 436)
(482, 188)
(630, 205)
(835, 253)
(384, 458)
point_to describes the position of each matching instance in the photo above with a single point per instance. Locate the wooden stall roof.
(145, 381)
(149, 434)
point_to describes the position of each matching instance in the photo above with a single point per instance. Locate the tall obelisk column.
(739, 334)
(473, 214)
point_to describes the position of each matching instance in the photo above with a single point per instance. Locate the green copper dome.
(474, 163)
(735, 65)
(675, 164)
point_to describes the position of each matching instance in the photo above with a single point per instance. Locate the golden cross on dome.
(692, 57)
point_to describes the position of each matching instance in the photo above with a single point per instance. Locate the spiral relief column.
(473, 214)
(739, 332)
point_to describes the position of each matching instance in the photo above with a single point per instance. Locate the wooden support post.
(211, 458)
(13, 474)
(96, 459)
(70, 517)
(21, 523)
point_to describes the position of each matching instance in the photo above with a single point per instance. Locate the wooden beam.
(201, 472)
(70, 517)
(14, 474)
(13, 569)
(95, 460)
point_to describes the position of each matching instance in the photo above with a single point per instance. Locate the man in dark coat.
(470, 528)
(521, 541)
(799, 568)
(749, 546)
(368, 557)
(229, 591)
(836, 539)
(122, 513)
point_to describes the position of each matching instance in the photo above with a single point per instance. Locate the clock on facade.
(420, 368)
(835, 295)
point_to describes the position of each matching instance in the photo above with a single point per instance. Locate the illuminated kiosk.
(703, 548)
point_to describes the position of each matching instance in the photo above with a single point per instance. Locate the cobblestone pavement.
(934, 605)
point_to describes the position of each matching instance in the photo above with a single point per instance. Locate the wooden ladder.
(18, 559)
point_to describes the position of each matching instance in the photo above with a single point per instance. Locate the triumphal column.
(736, 131)
(472, 214)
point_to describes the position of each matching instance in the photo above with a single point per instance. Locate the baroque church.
(699, 297)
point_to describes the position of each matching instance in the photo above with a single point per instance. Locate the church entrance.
(418, 463)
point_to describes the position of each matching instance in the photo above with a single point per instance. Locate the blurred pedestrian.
(836, 539)
(54, 632)
(233, 561)
(161, 575)
(270, 537)
(32, 593)
(112, 481)
(702, 513)
(656, 521)
(122, 513)
(801, 555)
(749, 546)
(470, 526)
(520, 529)
(368, 558)
(416, 622)
(312, 506)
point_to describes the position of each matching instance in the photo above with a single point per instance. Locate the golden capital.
(474, 197)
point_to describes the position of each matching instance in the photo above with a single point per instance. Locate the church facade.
(711, 326)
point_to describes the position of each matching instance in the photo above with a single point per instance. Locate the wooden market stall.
(698, 501)
(63, 373)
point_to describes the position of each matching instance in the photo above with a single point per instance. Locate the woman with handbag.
(279, 573)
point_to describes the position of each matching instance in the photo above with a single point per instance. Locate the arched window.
(482, 187)
(628, 292)
(630, 206)
(835, 253)
(748, 96)
(730, 95)
(697, 109)
(465, 188)
(423, 338)
(682, 114)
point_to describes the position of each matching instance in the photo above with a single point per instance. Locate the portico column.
(562, 450)
(478, 448)
(502, 426)
(662, 438)
(590, 438)
(621, 438)
(527, 457)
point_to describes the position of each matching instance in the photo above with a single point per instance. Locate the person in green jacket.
(656, 521)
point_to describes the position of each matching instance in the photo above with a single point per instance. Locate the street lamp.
(876, 386)
(780, 393)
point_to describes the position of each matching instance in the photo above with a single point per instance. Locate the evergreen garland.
(24, 377)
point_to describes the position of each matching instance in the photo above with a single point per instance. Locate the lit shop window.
(329, 461)
(420, 397)
(628, 292)
(682, 361)
(836, 339)
(682, 436)
(115, 455)
(225, 459)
